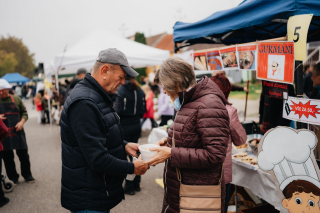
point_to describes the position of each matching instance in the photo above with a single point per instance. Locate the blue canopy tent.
(17, 78)
(250, 21)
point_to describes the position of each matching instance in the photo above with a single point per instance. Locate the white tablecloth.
(259, 182)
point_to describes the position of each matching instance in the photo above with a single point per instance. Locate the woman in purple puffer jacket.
(201, 132)
(238, 133)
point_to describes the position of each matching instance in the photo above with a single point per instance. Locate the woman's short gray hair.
(175, 74)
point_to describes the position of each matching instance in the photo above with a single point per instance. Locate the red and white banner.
(229, 58)
(302, 110)
(214, 60)
(200, 61)
(276, 61)
(247, 56)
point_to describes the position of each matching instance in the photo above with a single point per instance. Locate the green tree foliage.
(15, 50)
(8, 62)
(139, 37)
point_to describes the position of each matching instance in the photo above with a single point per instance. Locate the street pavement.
(43, 196)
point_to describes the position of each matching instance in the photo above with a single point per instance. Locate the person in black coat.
(315, 77)
(94, 151)
(131, 105)
(307, 82)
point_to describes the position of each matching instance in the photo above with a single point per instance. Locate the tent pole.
(298, 82)
(245, 108)
(56, 75)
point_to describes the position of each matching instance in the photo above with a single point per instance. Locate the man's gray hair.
(97, 66)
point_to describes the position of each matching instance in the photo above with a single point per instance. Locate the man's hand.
(163, 142)
(140, 167)
(20, 124)
(163, 154)
(132, 148)
(2, 117)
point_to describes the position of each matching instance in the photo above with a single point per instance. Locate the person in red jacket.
(238, 134)
(3, 133)
(149, 105)
(38, 103)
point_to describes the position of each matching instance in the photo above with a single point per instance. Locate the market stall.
(278, 64)
(15, 79)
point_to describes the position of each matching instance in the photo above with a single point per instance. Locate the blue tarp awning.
(15, 78)
(250, 21)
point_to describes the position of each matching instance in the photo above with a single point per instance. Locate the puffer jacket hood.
(203, 87)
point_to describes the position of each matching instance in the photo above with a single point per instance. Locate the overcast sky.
(47, 26)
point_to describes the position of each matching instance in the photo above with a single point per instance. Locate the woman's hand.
(163, 142)
(163, 154)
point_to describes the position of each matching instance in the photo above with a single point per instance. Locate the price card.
(302, 110)
(297, 29)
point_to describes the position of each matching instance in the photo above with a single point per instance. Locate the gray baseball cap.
(114, 56)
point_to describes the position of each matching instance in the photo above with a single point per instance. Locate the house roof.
(166, 43)
(154, 40)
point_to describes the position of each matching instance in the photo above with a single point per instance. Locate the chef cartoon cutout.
(276, 67)
(288, 155)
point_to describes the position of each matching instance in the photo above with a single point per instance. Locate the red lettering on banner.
(275, 94)
(305, 109)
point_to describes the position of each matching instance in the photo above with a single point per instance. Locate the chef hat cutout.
(287, 153)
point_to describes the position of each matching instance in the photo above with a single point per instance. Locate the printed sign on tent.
(275, 90)
(214, 60)
(302, 110)
(229, 58)
(287, 155)
(275, 61)
(187, 56)
(200, 61)
(247, 56)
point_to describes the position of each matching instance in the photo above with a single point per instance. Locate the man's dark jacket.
(93, 150)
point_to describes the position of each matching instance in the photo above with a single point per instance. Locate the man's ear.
(285, 203)
(104, 70)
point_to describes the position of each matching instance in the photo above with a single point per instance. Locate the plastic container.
(254, 148)
(232, 209)
(145, 153)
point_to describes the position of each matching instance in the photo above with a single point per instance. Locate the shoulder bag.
(199, 198)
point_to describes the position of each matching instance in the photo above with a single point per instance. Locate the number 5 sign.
(297, 28)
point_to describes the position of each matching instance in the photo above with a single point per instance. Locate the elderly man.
(14, 115)
(94, 161)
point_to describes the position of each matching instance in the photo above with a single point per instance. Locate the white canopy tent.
(84, 53)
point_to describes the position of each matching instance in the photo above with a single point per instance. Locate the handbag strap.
(178, 170)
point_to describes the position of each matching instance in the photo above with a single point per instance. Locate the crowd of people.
(100, 147)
